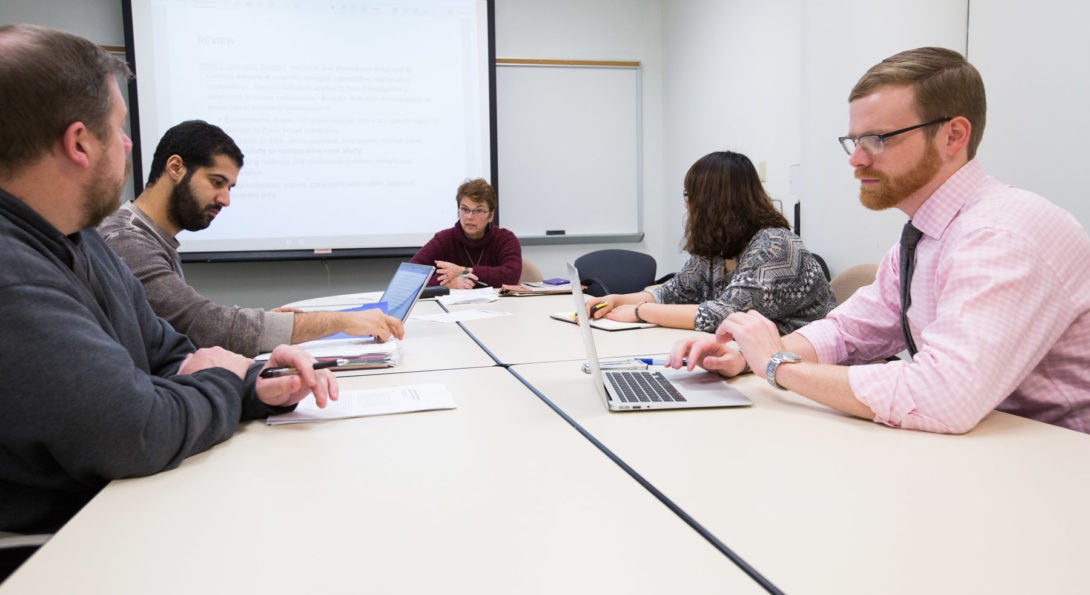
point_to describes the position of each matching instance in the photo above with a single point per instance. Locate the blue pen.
(657, 361)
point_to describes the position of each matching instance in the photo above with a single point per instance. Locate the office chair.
(852, 278)
(615, 271)
(530, 272)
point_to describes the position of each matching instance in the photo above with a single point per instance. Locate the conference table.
(820, 502)
(529, 335)
(531, 486)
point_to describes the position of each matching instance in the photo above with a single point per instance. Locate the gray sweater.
(152, 254)
(90, 391)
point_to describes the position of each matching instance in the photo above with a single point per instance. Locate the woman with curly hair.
(742, 256)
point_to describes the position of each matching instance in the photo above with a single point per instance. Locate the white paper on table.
(469, 296)
(361, 403)
(347, 348)
(461, 315)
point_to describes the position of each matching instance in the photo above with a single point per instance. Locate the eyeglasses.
(474, 212)
(874, 144)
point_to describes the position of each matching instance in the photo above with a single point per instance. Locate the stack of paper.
(361, 352)
(469, 296)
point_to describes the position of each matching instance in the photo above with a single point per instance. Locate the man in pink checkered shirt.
(999, 304)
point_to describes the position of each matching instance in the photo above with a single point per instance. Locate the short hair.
(477, 190)
(50, 79)
(946, 86)
(727, 205)
(197, 142)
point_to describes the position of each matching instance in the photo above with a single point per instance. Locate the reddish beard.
(889, 192)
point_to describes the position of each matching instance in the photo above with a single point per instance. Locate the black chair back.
(615, 271)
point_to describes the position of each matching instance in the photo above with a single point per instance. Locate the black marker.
(288, 370)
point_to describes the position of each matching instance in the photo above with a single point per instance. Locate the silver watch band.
(780, 357)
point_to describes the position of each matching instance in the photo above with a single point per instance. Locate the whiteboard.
(568, 142)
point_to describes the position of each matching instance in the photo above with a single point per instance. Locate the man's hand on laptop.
(373, 322)
(709, 353)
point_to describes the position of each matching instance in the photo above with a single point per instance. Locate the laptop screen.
(405, 287)
(584, 329)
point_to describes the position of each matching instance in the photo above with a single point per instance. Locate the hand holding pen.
(291, 374)
(289, 370)
(597, 309)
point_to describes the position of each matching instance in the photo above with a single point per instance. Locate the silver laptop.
(633, 390)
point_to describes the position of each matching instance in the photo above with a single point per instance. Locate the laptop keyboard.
(642, 387)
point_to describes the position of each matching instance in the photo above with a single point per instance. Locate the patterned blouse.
(776, 276)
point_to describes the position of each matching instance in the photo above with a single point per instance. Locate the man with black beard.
(195, 166)
(988, 290)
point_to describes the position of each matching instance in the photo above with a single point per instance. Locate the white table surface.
(820, 502)
(497, 496)
(529, 335)
(434, 346)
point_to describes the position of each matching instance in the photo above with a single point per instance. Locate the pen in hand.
(289, 370)
(597, 307)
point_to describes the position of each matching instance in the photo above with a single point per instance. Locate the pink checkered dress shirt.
(1000, 312)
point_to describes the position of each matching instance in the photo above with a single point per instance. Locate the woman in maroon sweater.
(473, 252)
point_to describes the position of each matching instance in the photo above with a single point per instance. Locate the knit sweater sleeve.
(437, 248)
(238, 329)
(502, 264)
(96, 395)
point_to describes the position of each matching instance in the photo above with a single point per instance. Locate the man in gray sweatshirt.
(195, 166)
(95, 386)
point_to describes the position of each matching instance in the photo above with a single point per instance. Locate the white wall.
(596, 30)
(732, 82)
(1032, 56)
(842, 39)
(97, 20)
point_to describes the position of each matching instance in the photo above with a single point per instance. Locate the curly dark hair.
(198, 143)
(727, 205)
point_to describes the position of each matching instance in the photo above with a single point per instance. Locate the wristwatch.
(780, 357)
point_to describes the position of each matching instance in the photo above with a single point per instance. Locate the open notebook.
(604, 324)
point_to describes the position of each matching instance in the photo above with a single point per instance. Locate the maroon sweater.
(496, 259)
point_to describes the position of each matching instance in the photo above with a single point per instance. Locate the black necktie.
(910, 236)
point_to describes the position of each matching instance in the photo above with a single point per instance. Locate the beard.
(103, 195)
(185, 211)
(889, 192)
